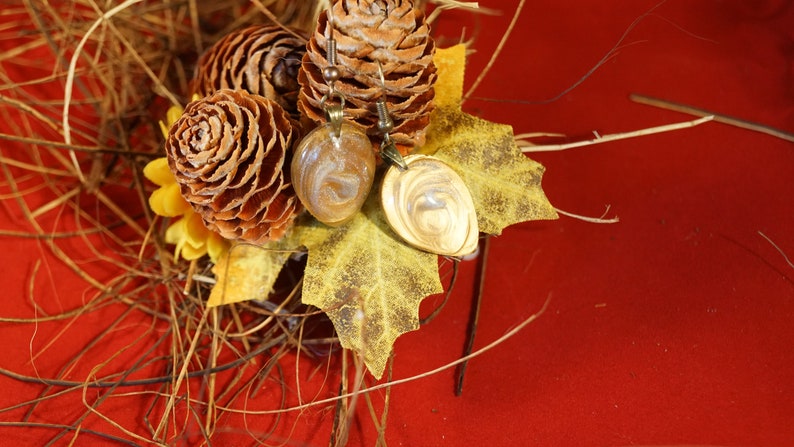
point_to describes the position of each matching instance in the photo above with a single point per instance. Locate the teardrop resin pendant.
(430, 207)
(332, 175)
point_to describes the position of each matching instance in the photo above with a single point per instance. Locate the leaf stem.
(476, 304)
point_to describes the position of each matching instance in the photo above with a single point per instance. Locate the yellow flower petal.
(175, 233)
(190, 253)
(164, 129)
(195, 231)
(167, 201)
(178, 233)
(173, 114)
(158, 172)
(195, 244)
(216, 247)
(193, 240)
(176, 203)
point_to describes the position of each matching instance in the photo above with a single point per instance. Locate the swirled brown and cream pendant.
(332, 175)
(430, 207)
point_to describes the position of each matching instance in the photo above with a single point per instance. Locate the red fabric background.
(672, 327)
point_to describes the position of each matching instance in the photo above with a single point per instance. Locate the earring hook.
(388, 151)
(331, 74)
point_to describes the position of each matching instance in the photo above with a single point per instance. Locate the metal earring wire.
(331, 74)
(388, 151)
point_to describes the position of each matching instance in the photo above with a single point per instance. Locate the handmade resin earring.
(333, 167)
(425, 202)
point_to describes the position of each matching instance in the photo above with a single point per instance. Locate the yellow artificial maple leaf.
(247, 272)
(367, 281)
(504, 183)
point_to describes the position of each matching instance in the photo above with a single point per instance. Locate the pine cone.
(230, 153)
(263, 60)
(391, 32)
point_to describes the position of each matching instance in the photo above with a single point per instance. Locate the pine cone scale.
(262, 60)
(228, 152)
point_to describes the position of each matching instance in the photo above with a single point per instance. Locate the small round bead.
(331, 73)
(385, 126)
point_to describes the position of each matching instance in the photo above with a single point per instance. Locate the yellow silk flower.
(191, 237)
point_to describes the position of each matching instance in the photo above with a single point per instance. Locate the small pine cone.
(263, 60)
(391, 32)
(230, 153)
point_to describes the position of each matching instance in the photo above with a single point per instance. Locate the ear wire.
(388, 151)
(333, 113)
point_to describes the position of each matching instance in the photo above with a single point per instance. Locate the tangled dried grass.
(80, 98)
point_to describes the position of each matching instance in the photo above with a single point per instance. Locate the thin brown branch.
(718, 117)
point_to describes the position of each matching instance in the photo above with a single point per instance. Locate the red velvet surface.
(672, 327)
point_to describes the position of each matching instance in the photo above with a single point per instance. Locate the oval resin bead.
(332, 176)
(430, 207)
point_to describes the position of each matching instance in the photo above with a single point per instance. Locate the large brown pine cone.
(230, 153)
(263, 60)
(391, 32)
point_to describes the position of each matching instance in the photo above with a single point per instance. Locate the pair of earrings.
(425, 202)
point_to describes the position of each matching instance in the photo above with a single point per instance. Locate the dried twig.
(615, 137)
(718, 117)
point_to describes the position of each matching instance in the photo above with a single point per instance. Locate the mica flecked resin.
(430, 207)
(332, 175)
